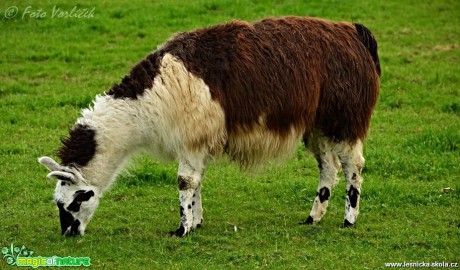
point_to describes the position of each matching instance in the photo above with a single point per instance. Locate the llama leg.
(189, 178)
(352, 161)
(197, 208)
(328, 165)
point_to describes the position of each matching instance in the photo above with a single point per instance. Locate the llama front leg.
(197, 208)
(352, 162)
(188, 180)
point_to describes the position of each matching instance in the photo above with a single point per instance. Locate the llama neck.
(117, 137)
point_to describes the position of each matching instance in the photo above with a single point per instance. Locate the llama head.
(75, 199)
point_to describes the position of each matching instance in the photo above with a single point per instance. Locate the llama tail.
(368, 40)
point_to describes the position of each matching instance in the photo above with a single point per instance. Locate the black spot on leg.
(199, 225)
(354, 176)
(193, 203)
(189, 206)
(324, 194)
(181, 211)
(183, 182)
(353, 194)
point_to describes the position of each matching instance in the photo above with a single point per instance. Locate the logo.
(22, 256)
(11, 254)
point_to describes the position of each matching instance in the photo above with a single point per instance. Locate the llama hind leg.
(328, 165)
(352, 161)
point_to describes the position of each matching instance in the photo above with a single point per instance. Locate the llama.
(252, 91)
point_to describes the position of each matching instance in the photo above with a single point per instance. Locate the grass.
(50, 68)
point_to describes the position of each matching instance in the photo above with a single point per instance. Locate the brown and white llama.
(252, 91)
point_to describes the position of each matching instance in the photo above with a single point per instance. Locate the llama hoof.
(347, 224)
(197, 224)
(178, 233)
(308, 221)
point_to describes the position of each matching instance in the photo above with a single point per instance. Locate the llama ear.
(50, 164)
(63, 176)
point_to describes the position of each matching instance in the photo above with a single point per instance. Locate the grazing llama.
(251, 91)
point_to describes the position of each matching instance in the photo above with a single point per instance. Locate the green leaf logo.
(11, 254)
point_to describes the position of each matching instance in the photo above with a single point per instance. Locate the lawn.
(51, 67)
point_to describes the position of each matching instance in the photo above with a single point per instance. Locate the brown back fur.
(294, 72)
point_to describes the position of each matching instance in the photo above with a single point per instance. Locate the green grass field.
(51, 68)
